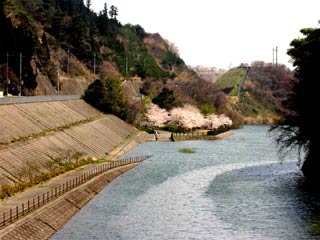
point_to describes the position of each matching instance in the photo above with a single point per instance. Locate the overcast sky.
(222, 33)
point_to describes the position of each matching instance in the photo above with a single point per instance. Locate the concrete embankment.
(45, 221)
(38, 132)
(201, 136)
(224, 135)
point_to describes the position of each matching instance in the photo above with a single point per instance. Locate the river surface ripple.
(234, 188)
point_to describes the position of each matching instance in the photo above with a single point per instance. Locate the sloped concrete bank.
(36, 132)
(47, 220)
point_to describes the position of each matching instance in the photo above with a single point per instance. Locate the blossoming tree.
(187, 117)
(156, 116)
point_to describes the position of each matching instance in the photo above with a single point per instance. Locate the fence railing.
(26, 207)
(189, 134)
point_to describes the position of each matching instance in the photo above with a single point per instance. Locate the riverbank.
(49, 133)
(199, 136)
(45, 221)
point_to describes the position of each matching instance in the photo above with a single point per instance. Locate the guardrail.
(22, 209)
(13, 100)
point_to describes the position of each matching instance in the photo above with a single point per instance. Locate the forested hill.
(52, 34)
(263, 90)
(61, 47)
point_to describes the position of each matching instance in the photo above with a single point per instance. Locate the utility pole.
(58, 86)
(68, 70)
(272, 56)
(94, 64)
(8, 80)
(7, 68)
(20, 76)
(277, 56)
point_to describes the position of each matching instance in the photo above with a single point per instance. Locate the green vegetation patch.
(31, 175)
(186, 150)
(230, 80)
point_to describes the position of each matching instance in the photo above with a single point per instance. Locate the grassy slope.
(230, 79)
(252, 109)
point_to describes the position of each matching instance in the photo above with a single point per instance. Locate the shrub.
(186, 150)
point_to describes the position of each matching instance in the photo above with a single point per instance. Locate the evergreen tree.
(105, 10)
(88, 4)
(107, 96)
(165, 99)
(300, 127)
(113, 12)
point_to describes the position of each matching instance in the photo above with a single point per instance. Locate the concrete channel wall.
(44, 222)
(25, 120)
(38, 131)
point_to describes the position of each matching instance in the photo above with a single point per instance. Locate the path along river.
(228, 189)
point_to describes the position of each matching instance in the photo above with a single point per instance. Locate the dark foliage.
(272, 85)
(16, 40)
(300, 128)
(165, 99)
(107, 97)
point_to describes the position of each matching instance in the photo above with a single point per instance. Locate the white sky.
(222, 33)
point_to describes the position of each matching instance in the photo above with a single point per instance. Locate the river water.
(234, 188)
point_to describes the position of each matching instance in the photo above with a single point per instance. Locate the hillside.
(63, 43)
(230, 81)
(264, 89)
(62, 47)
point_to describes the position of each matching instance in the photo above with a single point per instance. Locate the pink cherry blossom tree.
(156, 117)
(188, 117)
(215, 121)
(224, 120)
(212, 121)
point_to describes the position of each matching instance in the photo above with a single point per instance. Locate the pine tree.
(88, 4)
(113, 12)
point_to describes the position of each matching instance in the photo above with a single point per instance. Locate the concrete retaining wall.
(42, 131)
(94, 139)
(24, 120)
(47, 220)
(37, 125)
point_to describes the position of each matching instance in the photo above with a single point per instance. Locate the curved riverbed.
(229, 189)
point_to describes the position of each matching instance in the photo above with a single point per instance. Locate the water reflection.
(273, 200)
